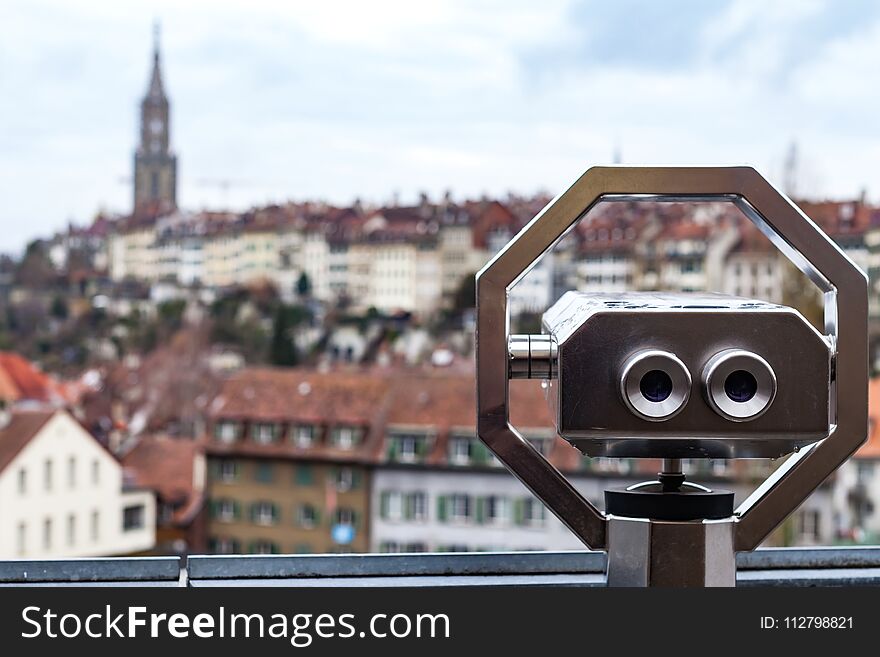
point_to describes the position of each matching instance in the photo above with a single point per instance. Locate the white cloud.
(341, 99)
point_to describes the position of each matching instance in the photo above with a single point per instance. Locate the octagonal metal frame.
(845, 289)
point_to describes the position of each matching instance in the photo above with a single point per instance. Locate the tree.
(59, 309)
(304, 285)
(282, 351)
(466, 295)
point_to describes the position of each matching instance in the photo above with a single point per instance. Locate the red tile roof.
(168, 467)
(436, 402)
(871, 448)
(20, 380)
(21, 428)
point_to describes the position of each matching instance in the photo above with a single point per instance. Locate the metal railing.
(832, 566)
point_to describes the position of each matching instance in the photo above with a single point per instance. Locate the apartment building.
(754, 268)
(289, 456)
(857, 482)
(63, 494)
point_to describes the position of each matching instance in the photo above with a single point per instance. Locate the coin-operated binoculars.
(674, 376)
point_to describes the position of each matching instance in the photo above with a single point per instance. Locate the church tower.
(155, 165)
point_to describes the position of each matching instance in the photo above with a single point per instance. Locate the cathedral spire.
(156, 90)
(155, 165)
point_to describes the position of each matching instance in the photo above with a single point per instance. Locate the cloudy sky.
(337, 100)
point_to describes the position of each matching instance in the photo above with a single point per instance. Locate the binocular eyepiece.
(737, 384)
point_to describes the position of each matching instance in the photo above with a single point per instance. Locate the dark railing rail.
(832, 566)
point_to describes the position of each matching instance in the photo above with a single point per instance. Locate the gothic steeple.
(155, 90)
(155, 166)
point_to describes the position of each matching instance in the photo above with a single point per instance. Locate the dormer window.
(460, 450)
(302, 435)
(226, 431)
(264, 433)
(407, 447)
(345, 437)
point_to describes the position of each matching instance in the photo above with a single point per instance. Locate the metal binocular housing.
(682, 375)
(679, 376)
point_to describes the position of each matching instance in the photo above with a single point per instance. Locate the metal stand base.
(653, 499)
(645, 552)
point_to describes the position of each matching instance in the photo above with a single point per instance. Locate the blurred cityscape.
(298, 378)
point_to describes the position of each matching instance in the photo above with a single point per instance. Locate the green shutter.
(481, 509)
(304, 475)
(253, 512)
(392, 448)
(384, 501)
(276, 514)
(236, 509)
(355, 517)
(519, 512)
(408, 507)
(214, 469)
(479, 452)
(441, 508)
(355, 478)
(213, 508)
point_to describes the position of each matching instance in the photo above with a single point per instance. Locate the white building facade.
(62, 494)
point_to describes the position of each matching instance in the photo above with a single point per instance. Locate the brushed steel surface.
(599, 336)
(800, 240)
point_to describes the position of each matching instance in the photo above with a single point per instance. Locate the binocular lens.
(740, 386)
(656, 385)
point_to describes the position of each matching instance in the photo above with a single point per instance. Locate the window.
(344, 479)
(264, 547)
(264, 433)
(226, 431)
(95, 528)
(133, 517)
(47, 534)
(389, 547)
(460, 451)
(22, 481)
(71, 472)
(21, 539)
(224, 545)
(533, 512)
(96, 472)
(416, 507)
(225, 510)
(808, 523)
(264, 513)
(542, 445)
(304, 475)
(228, 470)
(391, 505)
(47, 474)
(459, 508)
(345, 437)
(497, 510)
(345, 516)
(71, 529)
(306, 516)
(264, 473)
(407, 448)
(302, 436)
(864, 471)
